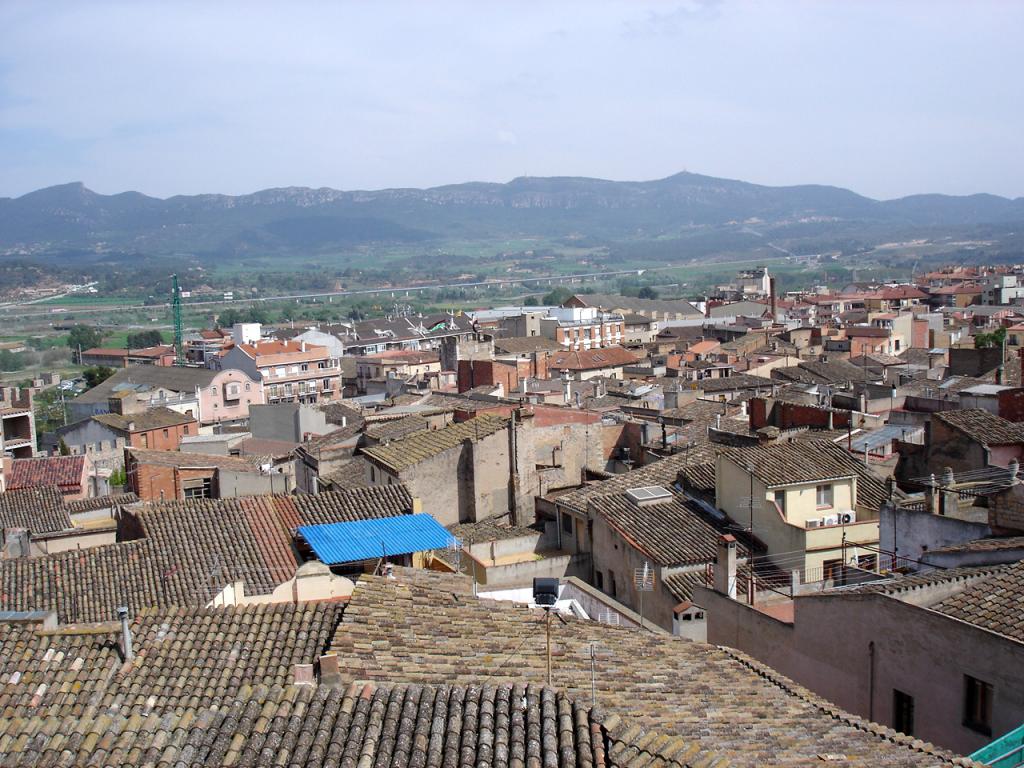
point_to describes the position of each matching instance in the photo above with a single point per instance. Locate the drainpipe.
(871, 681)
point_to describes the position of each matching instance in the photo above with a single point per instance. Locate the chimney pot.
(126, 634)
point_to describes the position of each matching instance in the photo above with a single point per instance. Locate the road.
(10, 309)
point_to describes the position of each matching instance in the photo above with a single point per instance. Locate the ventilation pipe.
(126, 634)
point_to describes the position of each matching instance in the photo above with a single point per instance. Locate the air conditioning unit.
(847, 517)
(814, 523)
(830, 520)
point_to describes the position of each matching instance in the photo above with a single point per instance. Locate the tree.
(144, 339)
(96, 375)
(647, 293)
(557, 296)
(993, 339)
(83, 337)
(9, 361)
(62, 448)
(531, 301)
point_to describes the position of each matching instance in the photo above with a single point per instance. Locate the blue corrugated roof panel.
(336, 543)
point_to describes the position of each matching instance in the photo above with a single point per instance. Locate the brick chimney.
(725, 566)
(771, 290)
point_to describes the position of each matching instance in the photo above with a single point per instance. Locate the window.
(599, 578)
(611, 583)
(566, 523)
(832, 569)
(903, 712)
(201, 488)
(978, 705)
(247, 386)
(166, 433)
(780, 501)
(186, 429)
(824, 495)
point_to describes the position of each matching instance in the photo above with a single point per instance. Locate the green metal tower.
(179, 343)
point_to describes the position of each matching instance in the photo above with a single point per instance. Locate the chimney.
(725, 566)
(1013, 468)
(126, 634)
(771, 290)
(565, 388)
(302, 346)
(131, 426)
(16, 543)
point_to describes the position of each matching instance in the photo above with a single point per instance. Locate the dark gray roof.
(983, 426)
(611, 301)
(674, 532)
(739, 381)
(144, 378)
(784, 464)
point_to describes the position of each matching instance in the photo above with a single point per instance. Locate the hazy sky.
(886, 98)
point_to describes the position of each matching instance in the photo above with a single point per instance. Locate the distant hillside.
(70, 216)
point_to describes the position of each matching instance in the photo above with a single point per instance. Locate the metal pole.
(593, 677)
(547, 626)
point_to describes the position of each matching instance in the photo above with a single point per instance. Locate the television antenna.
(455, 545)
(643, 580)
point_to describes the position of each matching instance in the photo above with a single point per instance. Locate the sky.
(887, 98)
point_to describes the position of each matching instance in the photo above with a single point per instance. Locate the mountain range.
(300, 219)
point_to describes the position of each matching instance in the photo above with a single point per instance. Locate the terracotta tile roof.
(336, 413)
(190, 460)
(722, 703)
(394, 429)
(351, 474)
(66, 472)
(39, 509)
(351, 504)
(738, 381)
(674, 532)
(995, 603)
(983, 545)
(791, 463)
(271, 353)
(591, 359)
(409, 451)
(153, 418)
(983, 426)
(184, 658)
(99, 502)
(907, 584)
(662, 472)
(699, 477)
(191, 551)
(817, 372)
(367, 725)
(703, 347)
(521, 345)
(245, 535)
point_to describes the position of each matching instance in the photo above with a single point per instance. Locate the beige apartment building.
(801, 501)
(291, 371)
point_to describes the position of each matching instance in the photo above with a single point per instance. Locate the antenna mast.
(179, 348)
